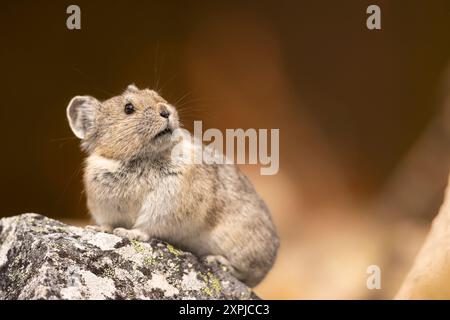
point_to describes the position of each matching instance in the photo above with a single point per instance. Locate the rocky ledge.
(41, 258)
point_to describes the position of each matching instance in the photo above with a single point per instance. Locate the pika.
(135, 188)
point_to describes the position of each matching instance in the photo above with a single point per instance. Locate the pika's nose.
(164, 112)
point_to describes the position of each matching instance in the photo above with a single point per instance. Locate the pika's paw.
(132, 234)
(222, 263)
(218, 261)
(97, 228)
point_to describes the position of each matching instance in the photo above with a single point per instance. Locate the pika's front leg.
(132, 234)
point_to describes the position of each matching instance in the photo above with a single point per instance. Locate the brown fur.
(135, 187)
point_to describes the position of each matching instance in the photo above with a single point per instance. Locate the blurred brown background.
(362, 115)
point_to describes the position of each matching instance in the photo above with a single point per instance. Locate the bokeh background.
(363, 116)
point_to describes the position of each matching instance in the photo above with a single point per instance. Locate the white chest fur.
(119, 197)
(158, 213)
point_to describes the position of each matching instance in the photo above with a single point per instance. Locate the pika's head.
(135, 122)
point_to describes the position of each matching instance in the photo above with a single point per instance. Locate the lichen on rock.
(41, 258)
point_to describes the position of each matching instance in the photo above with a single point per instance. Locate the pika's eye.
(129, 108)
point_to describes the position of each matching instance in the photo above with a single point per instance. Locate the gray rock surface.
(41, 258)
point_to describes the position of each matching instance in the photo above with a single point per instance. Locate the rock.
(429, 277)
(41, 258)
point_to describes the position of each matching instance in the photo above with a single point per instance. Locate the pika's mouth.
(163, 132)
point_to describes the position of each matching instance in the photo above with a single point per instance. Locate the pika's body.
(137, 189)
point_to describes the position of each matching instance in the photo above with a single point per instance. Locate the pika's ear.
(81, 113)
(132, 88)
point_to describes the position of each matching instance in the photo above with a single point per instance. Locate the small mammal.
(136, 190)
